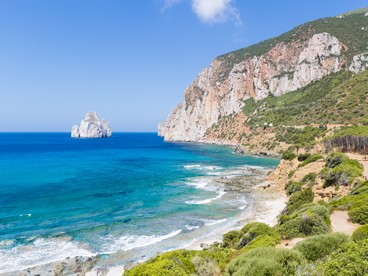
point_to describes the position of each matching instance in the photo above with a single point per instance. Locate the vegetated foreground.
(257, 248)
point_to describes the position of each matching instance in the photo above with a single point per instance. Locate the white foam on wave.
(211, 222)
(5, 243)
(125, 243)
(191, 227)
(192, 166)
(205, 201)
(25, 215)
(39, 252)
(199, 183)
(201, 167)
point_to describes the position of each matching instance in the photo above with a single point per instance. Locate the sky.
(128, 60)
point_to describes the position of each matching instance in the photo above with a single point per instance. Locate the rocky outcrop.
(92, 127)
(359, 63)
(285, 67)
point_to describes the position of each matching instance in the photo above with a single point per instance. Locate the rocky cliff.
(274, 67)
(92, 127)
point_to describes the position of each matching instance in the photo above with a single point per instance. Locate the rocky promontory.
(92, 127)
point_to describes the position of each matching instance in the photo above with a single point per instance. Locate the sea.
(132, 194)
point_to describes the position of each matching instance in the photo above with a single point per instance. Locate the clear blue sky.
(129, 60)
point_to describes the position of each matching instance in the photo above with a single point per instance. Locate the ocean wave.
(25, 215)
(192, 227)
(41, 251)
(125, 243)
(205, 201)
(199, 183)
(202, 167)
(211, 222)
(192, 166)
(7, 243)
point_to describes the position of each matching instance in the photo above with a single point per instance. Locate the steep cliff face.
(284, 68)
(274, 67)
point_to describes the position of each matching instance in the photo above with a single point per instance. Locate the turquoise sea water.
(133, 194)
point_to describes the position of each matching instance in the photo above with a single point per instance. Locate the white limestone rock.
(359, 63)
(284, 68)
(92, 127)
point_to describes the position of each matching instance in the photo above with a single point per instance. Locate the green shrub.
(292, 187)
(317, 247)
(308, 224)
(350, 260)
(288, 155)
(340, 170)
(361, 188)
(252, 235)
(183, 263)
(309, 179)
(255, 233)
(298, 199)
(231, 239)
(360, 234)
(266, 261)
(303, 156)
(359, 214)
(308, 220)
(335, 159)
(311, 159)
(168, 264)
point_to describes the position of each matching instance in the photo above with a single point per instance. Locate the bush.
(361, 188)
(308, 220)
(309, 179)
(351, 260)
(303, 156)
(255, 233)
(183, 263)
(335, 159)
(359, 214)
(252, 235)
(231, 239)
(266, 261)
(360, 234)
(311, 159)
(340, 170)
(292, 187)
(288, 155)
(298, 199)
(317, 247)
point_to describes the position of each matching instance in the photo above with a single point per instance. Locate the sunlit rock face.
(92, 127)
(284, 68)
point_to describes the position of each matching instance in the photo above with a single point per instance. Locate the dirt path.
(289, 244)
(340, 223)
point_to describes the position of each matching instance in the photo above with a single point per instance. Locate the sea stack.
(92, 127)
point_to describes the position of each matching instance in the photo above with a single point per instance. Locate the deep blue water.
(63, 197)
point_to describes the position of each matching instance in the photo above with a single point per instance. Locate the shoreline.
(261, 192)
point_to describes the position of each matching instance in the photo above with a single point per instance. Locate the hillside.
(301, 117)
(274, 67)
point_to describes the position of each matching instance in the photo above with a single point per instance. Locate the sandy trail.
(340, 223)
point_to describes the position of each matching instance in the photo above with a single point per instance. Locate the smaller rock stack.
(92, 127)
